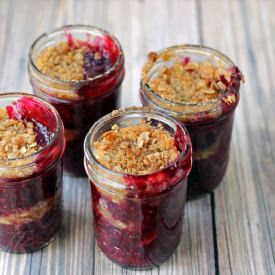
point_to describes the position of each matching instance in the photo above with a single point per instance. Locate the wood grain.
(245, 202)
(229, 232)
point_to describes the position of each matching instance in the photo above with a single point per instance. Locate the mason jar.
(209, 122)
(31, 185)
(79, 102)
(138, 219)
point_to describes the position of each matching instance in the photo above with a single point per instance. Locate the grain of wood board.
(229, 232)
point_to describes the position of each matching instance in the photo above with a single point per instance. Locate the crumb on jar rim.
(130, 109)
(135, 150)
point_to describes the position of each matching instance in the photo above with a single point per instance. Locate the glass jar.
(209, 123)
(138, 218)
(79, 103)
(31, 186)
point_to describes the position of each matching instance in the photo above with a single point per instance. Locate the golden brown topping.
(17, 143)
(16, 139)
(62, 62)
(137, 150)
(186, 81)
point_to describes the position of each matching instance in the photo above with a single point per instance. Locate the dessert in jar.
(32, 143)
(79, 70)
(138, 162)
(200, 87)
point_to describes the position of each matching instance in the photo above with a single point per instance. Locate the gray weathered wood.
(245, 203)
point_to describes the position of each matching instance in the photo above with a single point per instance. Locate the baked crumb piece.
(23, 216)
(17, 139)
(62, 61)
(137, 150)
(187, 81)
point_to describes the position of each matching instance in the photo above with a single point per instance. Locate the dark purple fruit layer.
(78, 117)
(99, 55)
(211, 144)
(22, 194)
(152, 232)
(96, 64)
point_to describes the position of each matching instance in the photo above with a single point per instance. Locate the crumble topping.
(17, 142)
(17, 139)
(75, 60)
(136, 150)
(62, 62)
(186, 80)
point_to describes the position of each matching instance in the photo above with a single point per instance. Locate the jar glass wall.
(30, 186)
(138, 218)
(210, 121)
(79, 102)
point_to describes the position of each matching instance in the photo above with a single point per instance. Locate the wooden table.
(229, 232)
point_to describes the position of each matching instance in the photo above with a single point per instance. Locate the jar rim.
(200, 50)
(89, 154)
(59, 125)
(76, 27)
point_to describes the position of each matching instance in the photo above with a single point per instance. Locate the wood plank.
(6, 14)
(245, 205)
(245, 201)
